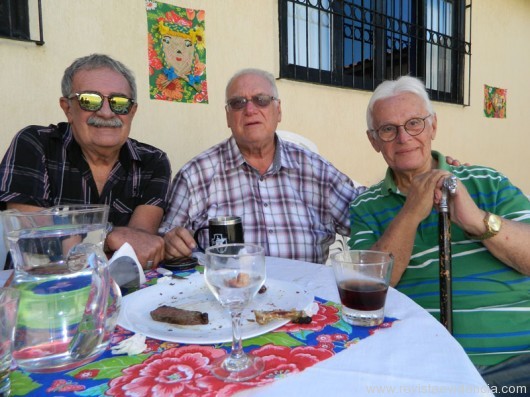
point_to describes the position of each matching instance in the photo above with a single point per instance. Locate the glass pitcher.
(68, 302)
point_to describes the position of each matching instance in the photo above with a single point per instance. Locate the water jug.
(68, 302)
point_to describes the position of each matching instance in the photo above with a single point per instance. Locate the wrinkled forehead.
(248, 85)
(405, 104)
(103, 80)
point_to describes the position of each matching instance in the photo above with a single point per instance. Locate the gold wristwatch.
(493, 224)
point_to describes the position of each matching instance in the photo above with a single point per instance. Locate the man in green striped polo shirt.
(490, 233)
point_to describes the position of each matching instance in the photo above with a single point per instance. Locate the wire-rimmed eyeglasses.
(239, 102)
(413, 127)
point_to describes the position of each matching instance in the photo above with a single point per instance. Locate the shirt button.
(261, 179)
(271, 231)
(265, 205)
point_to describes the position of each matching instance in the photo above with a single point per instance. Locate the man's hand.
(424, 192)
(454, 162)
(148, 247)
(179, 242)
(465, 212)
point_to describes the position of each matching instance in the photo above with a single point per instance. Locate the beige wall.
(244, 33)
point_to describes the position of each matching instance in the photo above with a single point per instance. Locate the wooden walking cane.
(444, 244)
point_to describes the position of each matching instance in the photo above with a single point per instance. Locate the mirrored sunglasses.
(93, 101)
(239, 103)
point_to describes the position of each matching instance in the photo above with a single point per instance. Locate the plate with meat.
(185, 311)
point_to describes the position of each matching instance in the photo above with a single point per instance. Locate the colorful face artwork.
(177, 53)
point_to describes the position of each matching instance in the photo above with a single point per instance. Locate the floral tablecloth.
(171, 369)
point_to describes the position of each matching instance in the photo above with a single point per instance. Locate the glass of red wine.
(362, 278)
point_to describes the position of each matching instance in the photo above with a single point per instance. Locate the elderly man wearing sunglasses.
(91, 159)
(291, 200)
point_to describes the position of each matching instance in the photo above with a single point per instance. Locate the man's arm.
(141, 234)
(22, 207)
(24, 174)
(399, 237)
(178, 240)
(510, 245)
(141, 231)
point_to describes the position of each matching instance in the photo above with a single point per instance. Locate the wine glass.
(234, 273)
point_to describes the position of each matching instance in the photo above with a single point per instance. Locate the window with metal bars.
(15, 20)
(360, 43)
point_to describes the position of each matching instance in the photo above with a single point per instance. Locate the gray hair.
(391, 88)
(96, 61)
(257, 72)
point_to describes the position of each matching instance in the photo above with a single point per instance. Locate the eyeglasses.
(92, 101)
(239, 102)
(413, 127)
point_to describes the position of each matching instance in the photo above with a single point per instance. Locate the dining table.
(410, 354)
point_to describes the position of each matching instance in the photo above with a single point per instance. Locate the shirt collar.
(281, 156)
(73, 150)
(286, 159)
(234, 158)
(128, 151)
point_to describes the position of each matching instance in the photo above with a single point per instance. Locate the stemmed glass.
(234, 273)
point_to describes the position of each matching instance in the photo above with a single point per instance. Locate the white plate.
(193, 294)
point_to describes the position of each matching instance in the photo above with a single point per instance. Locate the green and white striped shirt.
(491, 301)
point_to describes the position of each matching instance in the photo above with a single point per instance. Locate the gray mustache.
(96, 121)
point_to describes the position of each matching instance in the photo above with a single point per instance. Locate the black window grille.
(360, 43)
(16, 20)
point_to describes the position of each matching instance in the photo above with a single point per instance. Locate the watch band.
(490, 230)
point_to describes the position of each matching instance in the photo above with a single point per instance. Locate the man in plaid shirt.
(292, 201)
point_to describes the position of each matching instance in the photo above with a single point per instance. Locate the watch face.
(494, 222)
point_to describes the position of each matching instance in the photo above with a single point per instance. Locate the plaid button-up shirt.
(294, 210)
(44, 166)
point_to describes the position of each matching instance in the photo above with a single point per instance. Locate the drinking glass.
(234, 273)
(9, 298)
(362, 278)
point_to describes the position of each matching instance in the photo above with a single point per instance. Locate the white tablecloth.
(415, 357)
